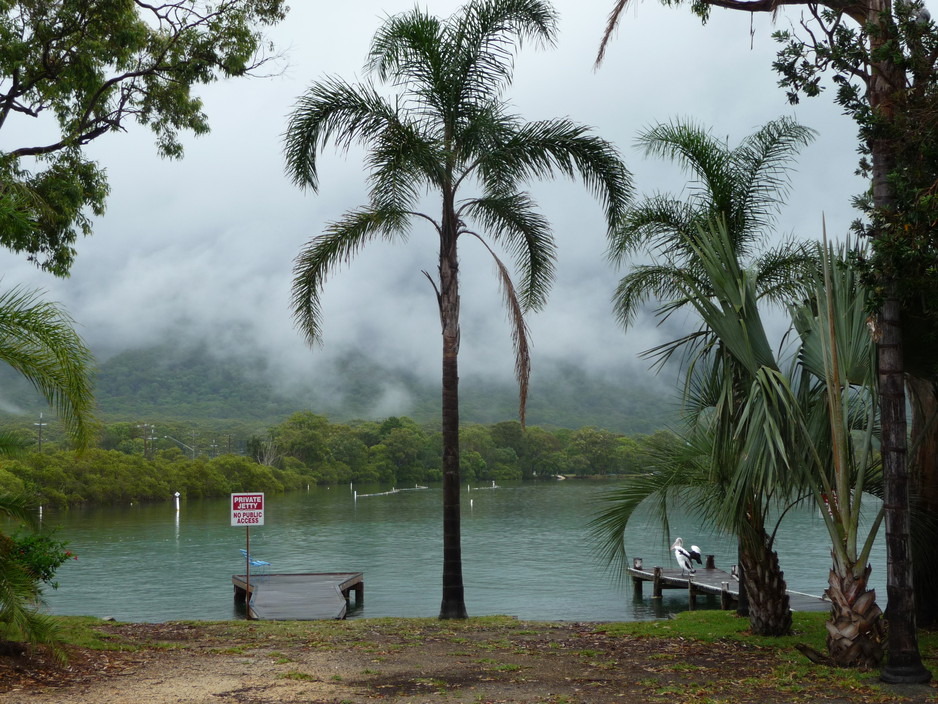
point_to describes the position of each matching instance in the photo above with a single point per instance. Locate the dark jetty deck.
(710, 580)
(299, 597)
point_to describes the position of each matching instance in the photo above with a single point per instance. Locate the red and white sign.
(247, 509)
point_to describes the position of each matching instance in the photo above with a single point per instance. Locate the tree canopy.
(72, 71)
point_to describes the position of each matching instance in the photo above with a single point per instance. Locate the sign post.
(247, 510)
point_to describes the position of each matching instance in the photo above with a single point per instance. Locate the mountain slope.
(169, 383)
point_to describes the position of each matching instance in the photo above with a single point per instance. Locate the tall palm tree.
(742, 189)
(448, 132)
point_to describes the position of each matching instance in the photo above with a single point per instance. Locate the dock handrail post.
(637, 581)
(726, 599)
(711, 563)
(691, 594)
(656, 590)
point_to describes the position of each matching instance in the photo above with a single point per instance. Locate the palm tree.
(38, 340)
(837, 413)
(448, 132)
(810, 430)
(741, 189)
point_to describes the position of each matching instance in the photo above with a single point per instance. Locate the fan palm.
(741, 189)
(715, 470)
(448, 132)
(812, 431)
(839, 424)
(807, 432)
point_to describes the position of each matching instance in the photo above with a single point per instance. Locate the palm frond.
(485, 37)
(539, 150)
(698, 152)
(19, 508)
(338, 244)
(662, 282)
(404, 163)
(519, 331)
(783, 272)
(14, 444)
(38, 339)
(651, 225)
(611, 23)
(763, 168)
(406, 50)
(332, 110)
(512, 219)
(676, 470)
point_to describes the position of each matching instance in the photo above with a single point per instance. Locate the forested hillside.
(166, 383)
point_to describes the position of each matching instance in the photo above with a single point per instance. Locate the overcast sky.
(205, 245)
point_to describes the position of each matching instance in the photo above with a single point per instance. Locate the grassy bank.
(702, 657)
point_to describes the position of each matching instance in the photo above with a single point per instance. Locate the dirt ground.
(395, 661)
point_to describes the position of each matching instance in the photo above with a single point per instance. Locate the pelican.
(695, 554)
(682, 557)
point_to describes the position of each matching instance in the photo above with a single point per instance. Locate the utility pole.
(40, 425)
(146, 433)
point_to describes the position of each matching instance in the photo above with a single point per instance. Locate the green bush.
(40, 555)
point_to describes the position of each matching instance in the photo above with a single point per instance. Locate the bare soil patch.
(482, 661)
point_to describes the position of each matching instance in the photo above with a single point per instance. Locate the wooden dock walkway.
(710, 580)
(299, 597)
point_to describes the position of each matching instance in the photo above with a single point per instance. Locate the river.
(526, 553)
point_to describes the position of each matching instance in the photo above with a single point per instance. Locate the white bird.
(682, 557)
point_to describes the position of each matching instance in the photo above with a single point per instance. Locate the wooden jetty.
(299, 597)
(709, 580)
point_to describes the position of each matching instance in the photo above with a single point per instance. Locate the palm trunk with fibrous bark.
(766, 590)
(855, 634)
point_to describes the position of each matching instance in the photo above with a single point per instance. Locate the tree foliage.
(448, 132)
(309, 449)
(72, 71)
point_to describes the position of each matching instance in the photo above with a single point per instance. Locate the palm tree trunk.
(769, 609)
(855, 631)
(453, 604)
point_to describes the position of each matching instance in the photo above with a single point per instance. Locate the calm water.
(525, 553)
